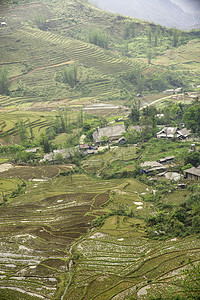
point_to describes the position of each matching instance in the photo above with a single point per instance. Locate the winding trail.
(41, 68)
(71, 261)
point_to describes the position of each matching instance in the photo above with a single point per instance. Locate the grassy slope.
(38, 55)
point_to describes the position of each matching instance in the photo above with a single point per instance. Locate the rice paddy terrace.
(35, 56)
(50, 244)
(50, 248)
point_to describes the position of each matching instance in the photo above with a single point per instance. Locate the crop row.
(85, 53)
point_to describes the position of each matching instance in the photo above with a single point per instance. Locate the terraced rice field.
(9, 119)
(121, 262)
(34, 56)
(37, 231)
(50, 248)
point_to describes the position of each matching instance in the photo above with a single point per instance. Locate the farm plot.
(39, 122)
(121, 262)
(87, 54)
(38, 227)
(99, 163)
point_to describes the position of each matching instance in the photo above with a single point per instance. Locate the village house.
(84, 147)
(3, 24)
(150, 167)
(193, 173)
(169, 92)
(52, 157)
(166, 160)
(183, 133)
(113, 133)
(33, 150)
(173, 132)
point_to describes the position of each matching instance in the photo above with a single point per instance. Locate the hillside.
(41, 40)
(83, 96)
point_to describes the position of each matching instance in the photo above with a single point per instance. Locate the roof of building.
(194, 171)
(150, 166)
(33, 150)
(165, 159)
(113, 132)
(167, 131)
(184, 132)
(171, 132)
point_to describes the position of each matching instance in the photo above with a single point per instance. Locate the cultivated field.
(50, 247)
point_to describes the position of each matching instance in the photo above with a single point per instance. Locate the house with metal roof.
(112, 132)
(149, 167)
(173, 132)
(166, 160)
(193, 173)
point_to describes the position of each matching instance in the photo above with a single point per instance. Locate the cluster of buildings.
(115, 134)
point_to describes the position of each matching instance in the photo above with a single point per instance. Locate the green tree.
(41, 21)
(98, 38)
(192, 118)
(129, 30)
(175, 37)
(192, 158)
(45, 143)
(59, 158)
(149, 34)
(149, 55)
(104, 139)
(134, 115)
(4, 81)
(30, 129)
(125, 49)
(21, 127)
(68, 75)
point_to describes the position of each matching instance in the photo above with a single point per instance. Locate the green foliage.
(26, 157)
(175, 37)
(100, 220)
(193, 158)
(45, 143)
(75, 257)
(22, 130)
(191, 282)
(180, 221)
(68, 75)
(41, 22)
(129, 30)
(18, 191)
(120, 211)
(4, 81)
(11, 149)
(134, 115)
(192, 118)
(98, 38)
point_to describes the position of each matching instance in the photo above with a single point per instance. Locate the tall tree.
(134, 115)
(192, 118)
(4, 81)
(175, 37)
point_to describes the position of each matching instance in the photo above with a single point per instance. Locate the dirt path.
(41, 68)
(70, 266)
